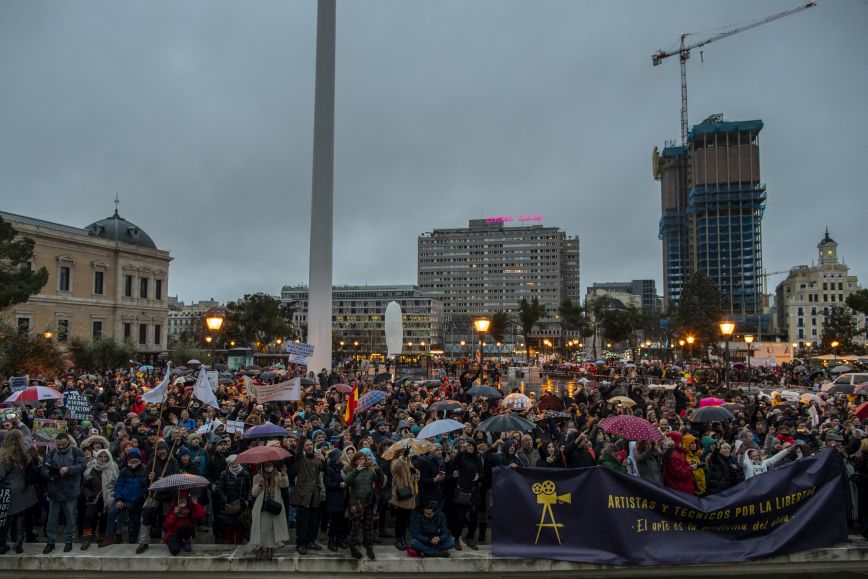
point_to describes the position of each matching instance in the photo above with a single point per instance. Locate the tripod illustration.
(547, 496)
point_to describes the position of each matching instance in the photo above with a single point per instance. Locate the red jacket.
(677, 474)
(174, 521)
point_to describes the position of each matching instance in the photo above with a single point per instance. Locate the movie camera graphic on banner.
(547, 496)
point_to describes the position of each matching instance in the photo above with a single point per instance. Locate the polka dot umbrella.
(630, 427)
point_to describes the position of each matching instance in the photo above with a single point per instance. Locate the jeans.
(54, 508)
(430, 550)
(133, 516)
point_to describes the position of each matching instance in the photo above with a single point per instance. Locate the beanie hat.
(162, 444)
(134, 452)
(183, 450)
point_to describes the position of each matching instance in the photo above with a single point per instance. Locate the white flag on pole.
(158, 394)
(202, 389)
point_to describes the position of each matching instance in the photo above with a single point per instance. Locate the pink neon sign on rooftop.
(510, 219)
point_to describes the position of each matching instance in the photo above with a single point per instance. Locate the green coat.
(361, 482)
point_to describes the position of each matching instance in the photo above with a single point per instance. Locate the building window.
(158, 289)
(99, 283)
(128, 332)
(62, 331)
(97, 329)
(143, 288)
(158, 338)
(63, 278)
(128, 286)
(143, 333)
(23, 325)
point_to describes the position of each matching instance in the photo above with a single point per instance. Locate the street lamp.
(834, 345)
(214, 321)
(463, 343)
(48, 335)
(690, 340)
(749, 340)
(481, 326)
(727, 328)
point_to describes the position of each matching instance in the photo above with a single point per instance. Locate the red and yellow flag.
(352, 402)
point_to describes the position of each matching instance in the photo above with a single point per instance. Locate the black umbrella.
(382, 377)
(506, 423)
(308, 382)
(487, 391)
(711, 414)
(445, 406)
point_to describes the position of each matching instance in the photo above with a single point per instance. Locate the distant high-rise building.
(643, 292)
(712, 200)
(489, 267)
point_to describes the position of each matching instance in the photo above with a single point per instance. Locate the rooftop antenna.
(117, 200)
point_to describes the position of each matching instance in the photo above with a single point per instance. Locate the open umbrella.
(268, 376)
(416, 446)
(550, 414)
(711, 402)
(630, 427)
(146, 368)
(193, 361)
(34, 394)
(711, 414)
(506, 423)
(732, 406)
(439, 427)
(370, 399)
(809, 397)
(267, 430)
(308, 382)
(279, 366)
(260, 454)
(382, 377)
(517, 401)
(180, 482)
(404, 378)
(550, 402)
(486, 391)
(626, 401)
(343, 388)
(840, 369)
(445, 406)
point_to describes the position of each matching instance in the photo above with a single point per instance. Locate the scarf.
(235, 469)
(109, 474)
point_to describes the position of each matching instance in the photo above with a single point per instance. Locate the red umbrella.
(862, 411)
(630, 427)
(34, 394)
(550, 402)
(343, 388)
(260, 454)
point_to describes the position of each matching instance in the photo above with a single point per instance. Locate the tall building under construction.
(712, 202)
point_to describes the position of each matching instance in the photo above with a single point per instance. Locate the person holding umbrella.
(269, 523)
(181, 521)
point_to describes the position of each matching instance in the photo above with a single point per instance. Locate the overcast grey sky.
(200, 114)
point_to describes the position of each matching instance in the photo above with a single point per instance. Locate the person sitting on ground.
(429, 533)
(181, 522)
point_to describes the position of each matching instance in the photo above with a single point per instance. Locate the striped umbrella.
(180, 482)
(517, 401)
(34, 394)
(370, 400)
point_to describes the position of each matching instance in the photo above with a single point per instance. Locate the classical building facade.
(186, 322)
(804, 299)
(107, 280)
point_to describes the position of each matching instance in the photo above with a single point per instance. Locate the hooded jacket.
(677, 474)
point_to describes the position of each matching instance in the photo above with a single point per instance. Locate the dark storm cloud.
(200, 115)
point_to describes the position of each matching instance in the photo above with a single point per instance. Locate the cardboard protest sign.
(234, 427)
(45, 431)
(287, 390)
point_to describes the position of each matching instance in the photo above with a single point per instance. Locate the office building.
(107, 280)
(712, 201)
(641, 293)
(803, 300)
(358, 318)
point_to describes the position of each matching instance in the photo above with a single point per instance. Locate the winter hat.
(317, 433)
(162, 444)
(182, 451)
(231, 458)
(368, 452)
(85, 423)
(134, 452)
(192, 437)
(676, 437)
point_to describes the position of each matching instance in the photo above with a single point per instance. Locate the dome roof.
(116, 228)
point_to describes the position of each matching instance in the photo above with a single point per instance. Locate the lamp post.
(214, 321)
(48, 334)
(834, 345)
(681, 347)
(690, 340)
(481, 326)
(727, 328)
(463, 343)
(749, 340)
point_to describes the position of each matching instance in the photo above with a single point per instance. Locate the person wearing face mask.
(233, 491)
(62, 469)
(98, 490)
(307, 494)
(267, 529)
(129, 495)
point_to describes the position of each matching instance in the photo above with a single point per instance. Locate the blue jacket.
(424, 529)
(130, 486)
(67, 487)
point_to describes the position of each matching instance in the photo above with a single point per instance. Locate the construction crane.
(683, 53)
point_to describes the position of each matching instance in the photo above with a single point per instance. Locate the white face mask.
(269, 469)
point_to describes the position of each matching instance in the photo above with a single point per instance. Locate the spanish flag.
(352, 402)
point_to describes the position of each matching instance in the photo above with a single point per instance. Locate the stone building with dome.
(804, 299)
(106, 280)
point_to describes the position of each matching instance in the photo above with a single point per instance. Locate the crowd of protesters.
(338, 492)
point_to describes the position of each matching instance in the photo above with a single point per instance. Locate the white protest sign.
(287, 390)
(77, 405)
(213, 377)
(19, 383)
(234, 427)
(299, 352)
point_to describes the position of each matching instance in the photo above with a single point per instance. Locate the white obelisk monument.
(319, 301)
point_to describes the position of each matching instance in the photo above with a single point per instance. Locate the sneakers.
(141, 548)
(48, 548)
(187, 545)
(67, 547)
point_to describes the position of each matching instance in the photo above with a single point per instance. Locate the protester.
(360, 477)
(62, 469)
(269, 523)
(233, 492)
(181, 521)
(429, 535)
(15, 462)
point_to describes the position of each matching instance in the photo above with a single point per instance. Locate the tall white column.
(319, 305)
